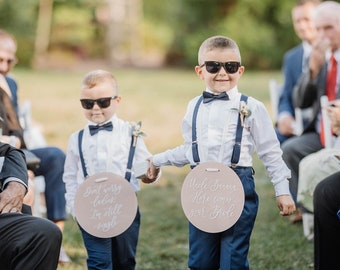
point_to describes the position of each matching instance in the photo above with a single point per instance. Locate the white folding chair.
(34, 138)
(274, 94)
(329, 140)
(308, 218)
(300, 114)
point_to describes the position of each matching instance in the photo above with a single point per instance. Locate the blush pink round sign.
(105, 205)
(212, 197)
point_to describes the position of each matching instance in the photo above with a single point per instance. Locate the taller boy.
(216, 124)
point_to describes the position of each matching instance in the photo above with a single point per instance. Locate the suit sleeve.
(14, 165)
(285, 101)
(305, 92)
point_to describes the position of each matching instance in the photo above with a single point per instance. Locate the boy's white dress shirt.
(106, 151)
(216, 129)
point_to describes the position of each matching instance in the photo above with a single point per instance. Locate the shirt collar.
(307, 48)
(231, 93)
(336, 55)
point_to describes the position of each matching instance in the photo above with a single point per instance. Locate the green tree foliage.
(17, 17)
(262, 28)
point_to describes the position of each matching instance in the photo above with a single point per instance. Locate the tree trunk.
(43, 32)
(123, 38)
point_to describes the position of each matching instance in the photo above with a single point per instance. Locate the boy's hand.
(286, 205)
(151, 174)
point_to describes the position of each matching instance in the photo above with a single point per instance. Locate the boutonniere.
(243, 111)
(136, 131)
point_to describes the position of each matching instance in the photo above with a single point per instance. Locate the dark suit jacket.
(307, 93)
(14, 91)
(14, 164)
(292, 69)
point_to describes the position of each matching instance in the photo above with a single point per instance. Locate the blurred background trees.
(144, 33)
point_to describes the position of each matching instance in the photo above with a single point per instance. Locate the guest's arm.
(13, 179)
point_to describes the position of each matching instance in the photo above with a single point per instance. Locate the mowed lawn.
(158, 97)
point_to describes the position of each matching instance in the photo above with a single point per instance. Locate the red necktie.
(331, 79)
(330, 89)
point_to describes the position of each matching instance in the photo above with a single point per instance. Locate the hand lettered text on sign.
(105, 205)
(212, 197)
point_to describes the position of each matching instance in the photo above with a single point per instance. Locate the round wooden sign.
(212, 197)
(105, 205)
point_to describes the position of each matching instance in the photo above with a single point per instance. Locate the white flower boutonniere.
(136, 131)
(244, 111)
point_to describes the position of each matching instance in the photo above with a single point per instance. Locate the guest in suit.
(294, 61)
(313, 84)
(51, 158)
(327, 223)
(26, 242)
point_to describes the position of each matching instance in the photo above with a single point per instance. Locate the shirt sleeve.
(13, 166)
(70, 172)
(269, 151)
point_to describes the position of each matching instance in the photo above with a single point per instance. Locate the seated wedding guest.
(294, 62)
(319, 165)
(26, 242)
(52, 159)
(320, 79)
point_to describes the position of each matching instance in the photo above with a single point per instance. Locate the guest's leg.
(28, 242)
(326, 223)
(52, 168)
(296, 149)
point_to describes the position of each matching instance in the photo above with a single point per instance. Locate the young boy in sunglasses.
(216, 114)
(106, 147)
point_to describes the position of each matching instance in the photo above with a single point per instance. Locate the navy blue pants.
(226, 250)
(116, 253)
(52, 161)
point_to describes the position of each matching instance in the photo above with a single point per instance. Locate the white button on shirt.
(216, 129)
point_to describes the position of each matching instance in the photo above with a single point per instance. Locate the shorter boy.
(216, 115)
(105, 147)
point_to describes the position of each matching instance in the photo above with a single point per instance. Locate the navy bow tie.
(208, 97)
(94, 129)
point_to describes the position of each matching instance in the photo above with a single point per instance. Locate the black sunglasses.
(214, 67)
(103, 103)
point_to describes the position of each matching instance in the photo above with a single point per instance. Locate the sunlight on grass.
(159, 98)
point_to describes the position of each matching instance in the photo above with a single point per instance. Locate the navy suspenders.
(235, 157)
(130, 160)
(194, 144)
(239, 130)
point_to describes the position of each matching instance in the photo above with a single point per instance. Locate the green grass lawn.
(159, 98)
